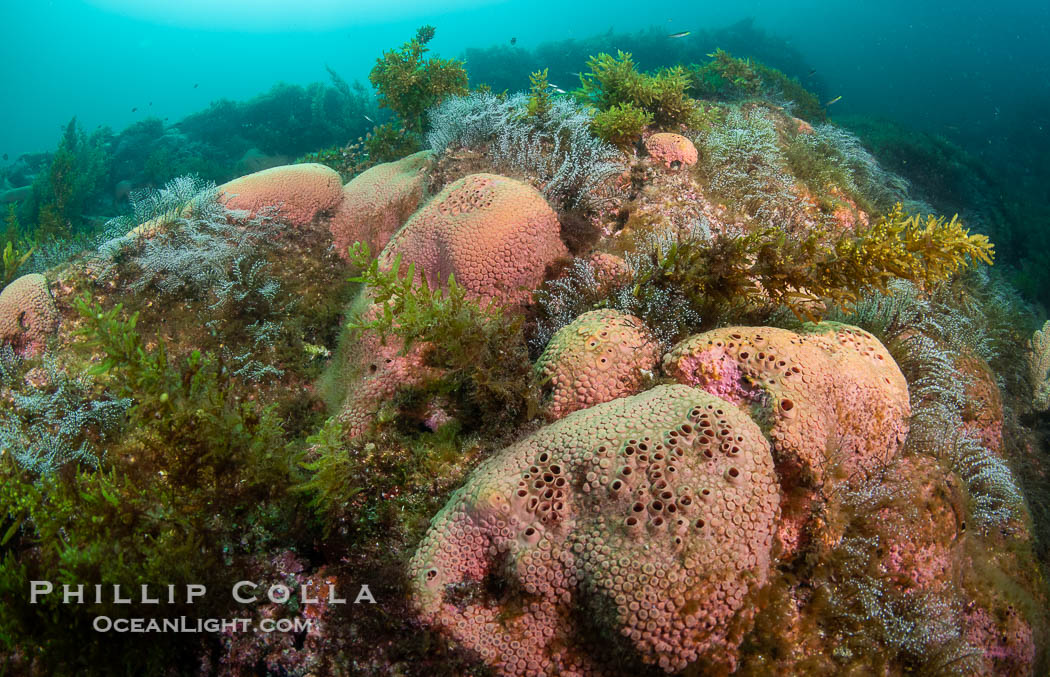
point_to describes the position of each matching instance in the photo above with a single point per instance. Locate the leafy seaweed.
(661, 96)
(479, 350)
(408, 83)
(13, 260)
(197, 480)
(769, 265)
(621, 124)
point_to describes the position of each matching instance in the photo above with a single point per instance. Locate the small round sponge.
(651, 516)
(378, 201)
(299, 192)
(674, 150)
(600, 356)
(28, 315)
(496, 235)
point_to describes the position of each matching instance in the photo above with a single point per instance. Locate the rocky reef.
(717, 399)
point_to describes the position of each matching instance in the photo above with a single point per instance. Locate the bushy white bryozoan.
(556, 150)
(53, 419)
(928, 334)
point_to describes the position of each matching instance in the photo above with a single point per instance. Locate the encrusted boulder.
(1006, 640)
(625, 534)
(983, 411)
(374, 369)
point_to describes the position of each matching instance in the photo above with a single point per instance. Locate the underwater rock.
(496, 235)
(602, 355)
(674, 150)
(300, 193)
(28, 315)
(378, 201)
(16, 194)
(919, 556)
(242, 653)
(1007, 641)
(624, 534)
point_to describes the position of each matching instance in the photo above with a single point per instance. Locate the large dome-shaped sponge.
(300, 193)
(650, 516)
(378, 201)
(496, 235)
(832, 394)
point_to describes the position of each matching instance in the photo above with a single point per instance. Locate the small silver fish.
(679, 35)
(556, 88)
(368, 118)
(833, 100)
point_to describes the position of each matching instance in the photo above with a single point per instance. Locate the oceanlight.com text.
(184, 624)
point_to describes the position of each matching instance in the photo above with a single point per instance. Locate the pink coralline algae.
(28, 316)
(378, 202)
(602, 355)
(674, 150)
(917, 553)
(496, 235)
(299, 193)
(652, 516)
(1008, 644)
